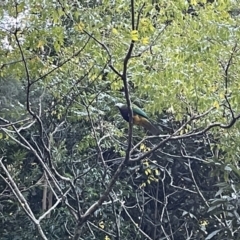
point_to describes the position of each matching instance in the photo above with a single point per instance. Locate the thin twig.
(22, 201)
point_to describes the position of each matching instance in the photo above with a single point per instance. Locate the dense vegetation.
(71, 167)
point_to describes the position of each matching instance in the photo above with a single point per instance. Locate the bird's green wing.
(139, 112)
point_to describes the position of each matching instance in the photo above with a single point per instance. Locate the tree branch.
(22, 201)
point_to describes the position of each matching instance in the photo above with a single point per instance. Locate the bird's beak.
(117, 105)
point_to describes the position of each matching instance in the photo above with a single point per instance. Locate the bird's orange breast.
(138, 120)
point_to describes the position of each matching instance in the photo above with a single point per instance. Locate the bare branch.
(135, 224)
(8, 124)
(200, 193)
(14, 139)
(101, 230)
(53, 207)
(21, 199)
(174, 136)
(100, 152)
(139, 15)
(97, 204)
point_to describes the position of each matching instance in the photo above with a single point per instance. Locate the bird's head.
(119, 105)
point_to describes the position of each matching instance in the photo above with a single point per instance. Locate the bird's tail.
(151, 127)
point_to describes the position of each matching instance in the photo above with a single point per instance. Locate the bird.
(140, 118)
